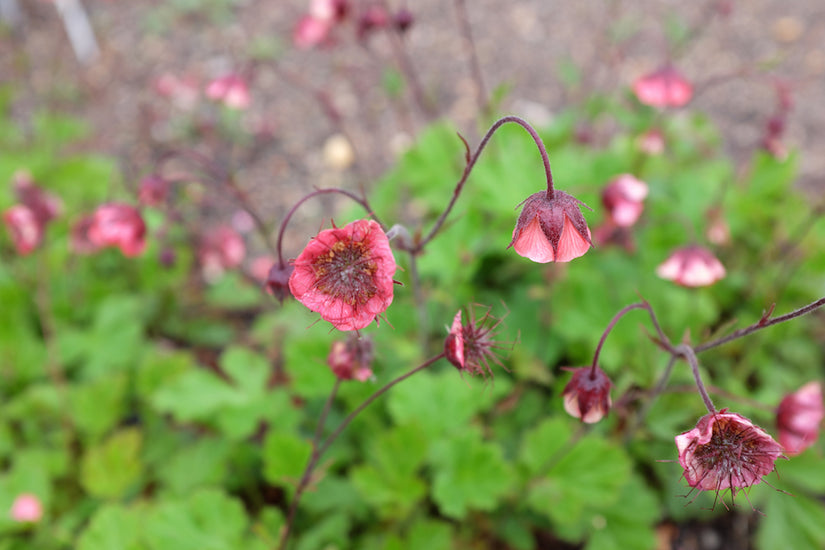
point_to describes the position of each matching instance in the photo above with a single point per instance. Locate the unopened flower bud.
(587, 395)
(351, 360)
(799, 417)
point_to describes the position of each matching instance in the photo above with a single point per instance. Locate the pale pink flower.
(221, 249)
(692, 266)
(665, 87)
(25, 228)
(183, 92)
(332, 10)
(717, 230)
(799, 417)
(311, 31)
(587, 395)
(119, 225)
(351, 360)
(26, 508)
(345, 274)
(624, 199)
(231, 90)
(726, 451)
(551, 230)
(651, 142)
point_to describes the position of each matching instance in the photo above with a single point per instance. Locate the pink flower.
(651, 142)
(691, 266)
(231, 89)
(45, 205)
(470, 347)
(79, 237)
(331, 10)
(551, 229)
(726, 451)
(717, 230)
(351, 360)
(25, 228)
(665, 87)
(345, 274)
(120, 225)
(221, 248)
(311, 31)
(372, 18)
(587, 395)
(798, 418)
(184, 92)
(624, 199)
(26, 508)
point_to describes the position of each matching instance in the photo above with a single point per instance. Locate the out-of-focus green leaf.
(113, 468)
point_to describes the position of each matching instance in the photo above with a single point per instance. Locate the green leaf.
(468, 474)
(541, 444)
(285, 458)
(98, 405)
(204, 462)
(113, 468)
(796, 522)
(112, 526)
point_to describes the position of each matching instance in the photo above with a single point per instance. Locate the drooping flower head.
(152, 190)
(46, 206)
(587, 395)
(25, 229)
(277, 280)
(26, 508)
(119, 225)
(27, 221)
(665, 87)
(691, 266)
(345, 274)
(351, 360)
(471, 346)
(551, 230)
(651, 142)
(799, 417)
(624, 199)
(726, 451)
(231, 90)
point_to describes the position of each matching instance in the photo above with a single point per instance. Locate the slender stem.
(318, 449)
(688, 353)
(610, 325)
(475, 66)
(361, 202)
(471, 161)
(764, 322)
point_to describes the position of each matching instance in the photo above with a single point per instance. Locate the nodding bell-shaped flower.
(799, 417)
(665, 87)
(551, 229)
(624, 199)
(587, 395)
(726, 451)
(691, 266)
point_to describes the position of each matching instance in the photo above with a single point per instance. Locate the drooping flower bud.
(25, 228)
(551, 230)
(799, 417)
(311, 31)
(152, 190)
(345, 274)
(232, 90)
(651, 142)
(692, 266)
(277, 280)
(726, 451)
(665, 87)
(587, 395)
(624, 199)
(351, 360)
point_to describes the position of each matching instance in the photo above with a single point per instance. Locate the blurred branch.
(79, 28)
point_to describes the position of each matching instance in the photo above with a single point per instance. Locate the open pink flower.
(25, 228)
(470, 346)
(551, 230)
(311, 31)
(624, 199)
(691, 266)
(799, 417)
(351, 360)
(120, 225)
(587, 395)
(726, 451)
(26, 508)
(665, 87)
(345, 274)
(231, 90)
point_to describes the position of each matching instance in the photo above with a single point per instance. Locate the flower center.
(346, 272)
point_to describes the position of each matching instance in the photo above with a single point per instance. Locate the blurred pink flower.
(717, 231)
(231, 90)
(665, 87)
(152, 190)
(26, 230)
(374, 17)
(351, 360)
(345, 274)
(221, 249)
(26, 508)
(45, 205)
(624, 199)
(183, 92)
(799, 417)
(311, 31)
(692, 266)
(551, 230)
(651, 142)
(726, 451)
(587, 395)
(331, 10)
(120, 225)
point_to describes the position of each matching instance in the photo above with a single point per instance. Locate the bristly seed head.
(471, 347)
